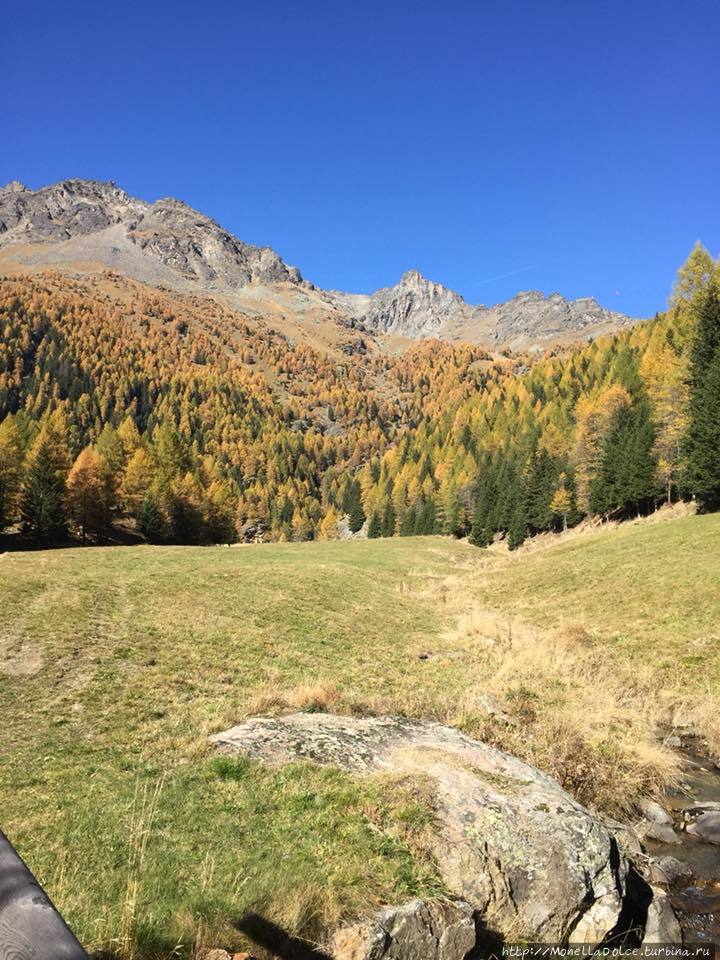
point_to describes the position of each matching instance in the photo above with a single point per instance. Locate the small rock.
(661, 832)
(674, 742)
(707, 827)
(433, 930)
(486, 703)
(653, 812)
(661, 925)
(668, 870)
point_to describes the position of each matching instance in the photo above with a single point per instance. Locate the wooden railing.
(30, 926)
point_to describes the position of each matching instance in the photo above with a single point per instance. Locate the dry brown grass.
(318, 695)
(564, 705)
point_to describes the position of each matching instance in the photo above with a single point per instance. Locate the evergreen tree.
(375, 526)
(481, 531)
(407, 524)
(542, 478)
(388, 520)
(184, 511)
(352, 506)
(150, 520)
(702, 442)
(425, 518)
(518, 527)
(110, 446)
(627, 470)
(170, 452)
(42, 505)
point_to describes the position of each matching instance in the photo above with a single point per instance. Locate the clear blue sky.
(577, 143)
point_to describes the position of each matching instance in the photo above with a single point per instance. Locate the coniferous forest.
(124, 408)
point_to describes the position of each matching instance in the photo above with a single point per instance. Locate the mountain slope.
(84, 224)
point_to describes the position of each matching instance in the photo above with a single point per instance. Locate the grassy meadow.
(116, 664)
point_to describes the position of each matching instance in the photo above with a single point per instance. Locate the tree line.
(195, 425)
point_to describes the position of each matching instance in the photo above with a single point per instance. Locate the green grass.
(143, 652)
(649, 591)
(146, 651)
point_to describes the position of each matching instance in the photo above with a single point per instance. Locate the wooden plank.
(30, 926)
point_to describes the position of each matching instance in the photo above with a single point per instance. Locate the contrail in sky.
(510, 273)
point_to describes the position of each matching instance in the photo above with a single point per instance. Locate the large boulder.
(507, 839)
(431, 929)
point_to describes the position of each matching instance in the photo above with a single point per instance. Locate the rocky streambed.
(682, 838)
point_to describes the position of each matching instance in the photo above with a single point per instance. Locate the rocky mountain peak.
(415, 307)
(166, 241)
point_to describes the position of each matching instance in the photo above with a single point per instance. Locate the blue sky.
(495, 146)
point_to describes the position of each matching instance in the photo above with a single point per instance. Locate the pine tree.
(702, 442)
(184, 507)
(110, 446)
(352, 506)
(543, 472)
(481, 531)
(407, 524)
(375, 526)
(388, 520)
(42, 505)
(150, 520)
(627, 470)
(518, 527)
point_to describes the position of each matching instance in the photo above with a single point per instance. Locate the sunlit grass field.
(116, 664)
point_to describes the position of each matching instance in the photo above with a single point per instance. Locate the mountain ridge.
(167, 242)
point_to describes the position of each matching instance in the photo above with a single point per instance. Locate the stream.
(696, 897)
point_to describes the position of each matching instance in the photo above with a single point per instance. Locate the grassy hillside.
(115, 665)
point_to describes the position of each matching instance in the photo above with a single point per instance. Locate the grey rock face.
(418, 308)
(433, 930)
(507, 839)
(192, 245)
(415, 307)
(532, 316)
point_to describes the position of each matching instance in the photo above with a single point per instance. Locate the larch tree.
(89, 494)
(11, 470)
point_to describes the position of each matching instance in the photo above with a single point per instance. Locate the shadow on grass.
(267, 934)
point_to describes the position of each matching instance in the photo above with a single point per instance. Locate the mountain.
(166, 240)
(86, 224)
(419, 308)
